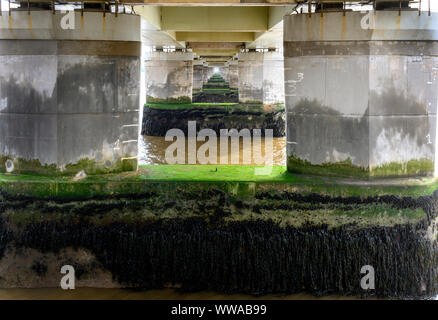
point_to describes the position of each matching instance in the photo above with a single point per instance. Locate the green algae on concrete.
(234, 107)
(342, 168)
(420, 167)
(232, 179)
(89, 166)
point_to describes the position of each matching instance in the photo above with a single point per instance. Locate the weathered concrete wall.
(68, 105)
(355, 101)
(169, 77)
(205, 73)
(233, 74)
(261, 77)
(224, 71)
(273, 78)
(198, 74)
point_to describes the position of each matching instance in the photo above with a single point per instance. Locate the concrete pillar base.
(358, 104)
(199, 73)
(233, 73)
(261, 77)
(68, 104)
(169, 77)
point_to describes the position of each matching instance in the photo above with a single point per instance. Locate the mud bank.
(158, 119)
(204, 238)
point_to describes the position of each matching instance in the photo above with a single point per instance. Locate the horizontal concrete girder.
(215, 45)
(215, 36)
(219, 19)
(270, 3)
(216, 59)
(216, 52)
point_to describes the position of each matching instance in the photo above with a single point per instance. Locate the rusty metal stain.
(343, 27)
(10, 25)
(321, 28)
(82, 23)
(29, 25)
(103, 24)
(308, 22)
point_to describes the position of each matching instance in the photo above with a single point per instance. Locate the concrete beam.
(269, 3)
(276, 14)
(216, 52)
(215, 45)
(151, 32)
(218, 19)
(152, 14)
(216, 3)
(215, 36)
(210, 59)
(212, 2)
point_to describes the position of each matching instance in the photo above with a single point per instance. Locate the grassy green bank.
(245, 107)
(233, 179)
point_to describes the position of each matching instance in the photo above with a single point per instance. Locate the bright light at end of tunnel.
(216, 69)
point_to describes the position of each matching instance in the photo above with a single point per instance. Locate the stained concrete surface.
(371, 103)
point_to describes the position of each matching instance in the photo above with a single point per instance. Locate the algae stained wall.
(261, 77)
(364, 103)
(69, 103)
(169, 77)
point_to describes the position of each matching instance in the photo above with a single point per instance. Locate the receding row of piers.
(172, 76)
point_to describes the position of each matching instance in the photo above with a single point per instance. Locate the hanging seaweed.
(275, 243)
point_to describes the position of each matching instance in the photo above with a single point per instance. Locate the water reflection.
(152, 150)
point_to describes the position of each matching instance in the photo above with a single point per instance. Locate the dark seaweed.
(203, 252)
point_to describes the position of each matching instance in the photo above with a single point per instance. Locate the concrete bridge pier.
(233, 73)
(199, 73)
(69, 92)
(169, 77)
(361, 93)
(261, 77)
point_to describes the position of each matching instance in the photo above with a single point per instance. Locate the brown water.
(124, 294)
(152, 150)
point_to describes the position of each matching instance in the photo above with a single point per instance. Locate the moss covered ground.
(233, 179)
(252, 107)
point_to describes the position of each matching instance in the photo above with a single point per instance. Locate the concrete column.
(261, 77)
(233, 74)
(224, 72)
(198, 74)
(169, 77)
(69, 98)
(205, 73)
(361, 95)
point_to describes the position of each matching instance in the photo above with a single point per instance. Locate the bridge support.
(199, 73)
(169, 77)
(233, 73)
(361, 93)
(69, 93)
(261, 77)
